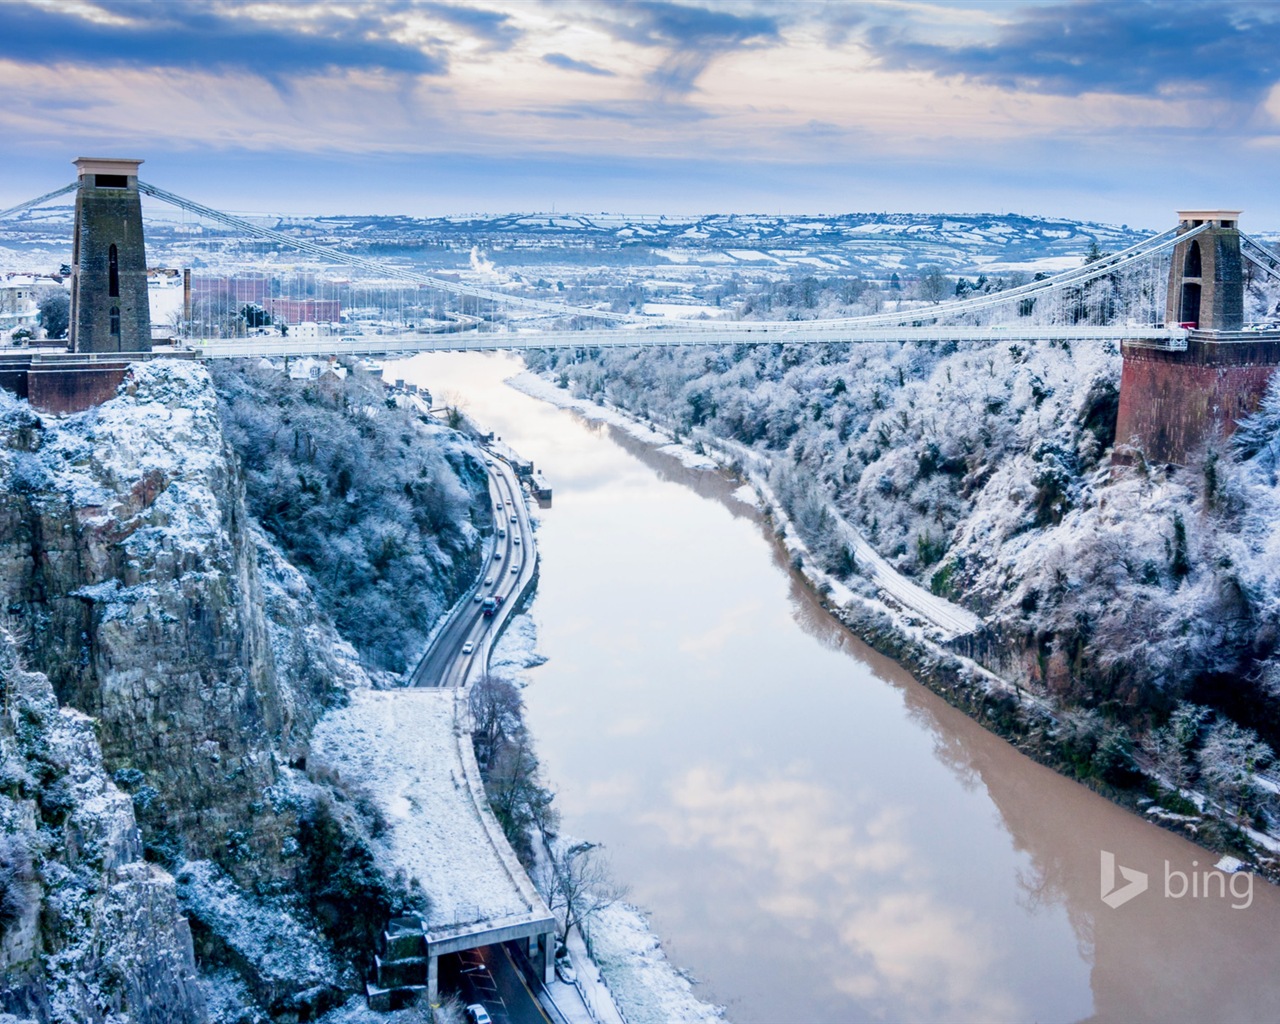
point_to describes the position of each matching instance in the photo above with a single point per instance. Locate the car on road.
(515, 519)
(488, 462)
(479, 597)
(488, 581)
(468, 647)
(477, 1014)
(515, 540)
(516, 567)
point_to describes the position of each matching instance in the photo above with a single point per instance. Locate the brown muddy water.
(816, 836)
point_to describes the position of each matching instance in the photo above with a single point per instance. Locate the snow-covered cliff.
(178, 663)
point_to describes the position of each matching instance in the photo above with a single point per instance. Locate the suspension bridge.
(998, 316)
(1196, 319)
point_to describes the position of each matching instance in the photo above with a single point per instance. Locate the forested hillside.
(380, 510)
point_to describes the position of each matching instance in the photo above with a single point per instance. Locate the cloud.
(636, 114)
(693, 37)
(1151, 48)
(492, 27)
(204, 35)
(560, 60)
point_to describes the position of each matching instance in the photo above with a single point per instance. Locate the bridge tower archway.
(1189, 311)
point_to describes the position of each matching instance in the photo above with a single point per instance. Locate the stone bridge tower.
(1206, 274)
(1173, 402)
(109, 307)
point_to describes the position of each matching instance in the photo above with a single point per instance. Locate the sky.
(1113, 111)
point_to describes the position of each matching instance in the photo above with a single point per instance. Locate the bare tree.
(519, 800)
(933, 285)
(496, 710)
(578, 884)
(1171, 746)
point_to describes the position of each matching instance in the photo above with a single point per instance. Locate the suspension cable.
(350, 259)
(42, 199)
(1261, 257)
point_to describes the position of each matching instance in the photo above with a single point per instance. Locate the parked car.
(477, 1014)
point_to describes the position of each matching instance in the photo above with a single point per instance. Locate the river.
(815, 835)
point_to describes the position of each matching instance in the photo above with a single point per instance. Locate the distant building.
(310, 330)
(299, 311)
(309, 368)
(19, 307)
(234, 291)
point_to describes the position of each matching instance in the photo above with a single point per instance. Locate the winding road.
(510, 564)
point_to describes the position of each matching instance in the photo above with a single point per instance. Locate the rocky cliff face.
(182, 662)
(87, 928)
(126, 553)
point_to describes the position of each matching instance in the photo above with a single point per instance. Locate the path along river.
(815, 835)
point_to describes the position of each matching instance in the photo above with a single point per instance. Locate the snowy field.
(401, 748)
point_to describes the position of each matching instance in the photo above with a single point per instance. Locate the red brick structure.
(61, 383)
(1173, 402)
(299, 311)
(74, 387)
(233, 290)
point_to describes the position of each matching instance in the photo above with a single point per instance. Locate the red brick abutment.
(59, 382)
(1173, 403)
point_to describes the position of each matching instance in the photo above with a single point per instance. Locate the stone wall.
(73, 388)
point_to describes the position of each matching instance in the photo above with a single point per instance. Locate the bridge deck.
(762, 333)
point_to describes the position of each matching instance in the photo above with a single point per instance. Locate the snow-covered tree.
(1228, 760)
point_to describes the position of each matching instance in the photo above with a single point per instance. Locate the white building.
(309, 329)
(309, 368)
(19, 306)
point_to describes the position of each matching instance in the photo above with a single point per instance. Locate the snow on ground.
(280, 948)
(516, 649)
(356, 1011)
(681, 310)
(647, 988)
(401, 748)
(747, 495)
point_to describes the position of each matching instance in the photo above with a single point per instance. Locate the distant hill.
(834, 245)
